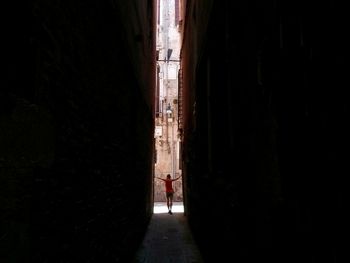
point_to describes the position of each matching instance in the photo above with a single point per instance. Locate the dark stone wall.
(76, 131)
(266, 130)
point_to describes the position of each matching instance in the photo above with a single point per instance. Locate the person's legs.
(170, 201)
(167, 201)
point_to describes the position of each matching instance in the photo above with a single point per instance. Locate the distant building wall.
(167, 143)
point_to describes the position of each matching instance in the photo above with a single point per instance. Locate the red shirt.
(169, 186)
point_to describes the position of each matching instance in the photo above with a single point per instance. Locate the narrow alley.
(244, 103)
(168, 238)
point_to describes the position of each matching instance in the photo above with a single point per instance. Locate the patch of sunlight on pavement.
(160, 207)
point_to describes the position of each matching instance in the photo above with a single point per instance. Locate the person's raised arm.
(159, 178)
(177, 178)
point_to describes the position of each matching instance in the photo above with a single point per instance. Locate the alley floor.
(168, 238)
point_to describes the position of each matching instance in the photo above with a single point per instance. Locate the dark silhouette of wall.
(266, 124)
(76, 130)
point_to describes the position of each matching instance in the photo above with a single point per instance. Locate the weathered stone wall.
(266, 130)
(76, 131)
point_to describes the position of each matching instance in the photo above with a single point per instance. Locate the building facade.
(167, 139)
